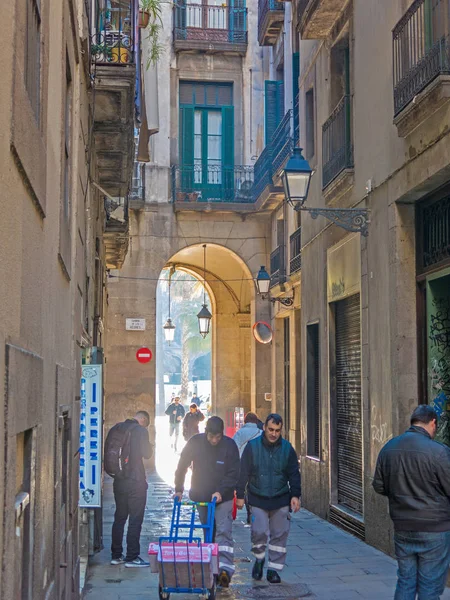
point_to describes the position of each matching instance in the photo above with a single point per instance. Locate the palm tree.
(188, 345)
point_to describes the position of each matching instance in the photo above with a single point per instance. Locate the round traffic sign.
(144, 355)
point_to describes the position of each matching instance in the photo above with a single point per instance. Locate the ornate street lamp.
(169, 327)
(204, 316)
(169, 330)
(296, 179)
(263, 286)
(263, 281)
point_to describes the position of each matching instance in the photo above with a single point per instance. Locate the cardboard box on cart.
(183, 562)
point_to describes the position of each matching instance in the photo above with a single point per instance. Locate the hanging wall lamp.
(296, 179)
(169, 327)
(204, 316)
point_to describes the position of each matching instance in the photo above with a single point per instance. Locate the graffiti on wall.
(439, 353)
(379, 429)
(440, 325)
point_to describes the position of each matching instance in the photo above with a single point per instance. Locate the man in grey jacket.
(248, 432)
(413, 471)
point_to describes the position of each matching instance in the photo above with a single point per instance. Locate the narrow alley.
(323, 562)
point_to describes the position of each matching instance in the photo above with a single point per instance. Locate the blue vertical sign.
(91, 429)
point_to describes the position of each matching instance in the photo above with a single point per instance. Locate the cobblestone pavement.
(323, 562)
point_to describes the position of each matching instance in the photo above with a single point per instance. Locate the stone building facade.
(363, 337)
(374, 115)
(64, 222)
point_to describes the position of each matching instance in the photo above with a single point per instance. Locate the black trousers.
(130, 498)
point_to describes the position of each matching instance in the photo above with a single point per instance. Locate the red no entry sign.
(144, 355)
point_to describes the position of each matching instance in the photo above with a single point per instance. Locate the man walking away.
(245, 434)
(215, 472)
(191, 422)
(130, 485)
(413, 472)
(195, 399)
(176, 414)
(269, 470)
(248, 432)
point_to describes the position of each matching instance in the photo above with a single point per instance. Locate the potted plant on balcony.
(150, 19)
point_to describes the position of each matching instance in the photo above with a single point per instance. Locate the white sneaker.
(118, 561)
(137, 562)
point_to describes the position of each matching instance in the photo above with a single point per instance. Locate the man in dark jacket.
(191, 421)
(215, 471)
(130, 495)
(176, 413)
(413, 471)
(269, 471)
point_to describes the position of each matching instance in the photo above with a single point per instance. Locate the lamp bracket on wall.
(283, 301)
(351, 219)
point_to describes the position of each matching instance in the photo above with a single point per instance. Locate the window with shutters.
(310, 125)
(32, 70)
(313, 390)
(207, 138)
(274, 107)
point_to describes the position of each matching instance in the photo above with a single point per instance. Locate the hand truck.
(186, 564)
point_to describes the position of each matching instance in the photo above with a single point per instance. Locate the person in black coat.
(176, 413)
(215, 472)
(413, 471)
(191, 422)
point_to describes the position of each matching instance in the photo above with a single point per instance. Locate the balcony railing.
(197, 183)
(199, 23)
(295, 241)
(297, 120)
(282, 141)
(277, 267)
(275, 154)
(112, 41)
(421, 49)
(270, 21)
(337, 151)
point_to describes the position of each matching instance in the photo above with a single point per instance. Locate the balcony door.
(212, 14)
(207, 141)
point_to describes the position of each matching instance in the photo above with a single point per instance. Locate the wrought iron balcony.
(337, 150)
(270, 21)
(421, 49)
(274, 156)
(277, 266)
(297, 120)
(317, 17)
(112, 40)
(295, 242)
(216, 184)
(207, 27)
(282, 142)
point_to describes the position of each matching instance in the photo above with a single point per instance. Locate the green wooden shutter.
(187, 147)
(295, 73)
(228, 152)
(274, 108)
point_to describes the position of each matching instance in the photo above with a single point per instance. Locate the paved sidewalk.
(323, 562)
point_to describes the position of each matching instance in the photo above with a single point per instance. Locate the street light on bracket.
(263, 286)
(296, 178)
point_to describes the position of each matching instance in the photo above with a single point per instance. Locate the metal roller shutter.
(348, 404)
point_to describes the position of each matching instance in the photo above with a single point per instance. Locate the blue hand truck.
(195, 572)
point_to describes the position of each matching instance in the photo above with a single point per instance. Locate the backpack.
(117, 450)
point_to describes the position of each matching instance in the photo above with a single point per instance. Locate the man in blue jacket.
(413, 471)
(269, 471)
(215, 471)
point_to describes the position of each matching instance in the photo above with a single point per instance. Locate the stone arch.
(236, 244)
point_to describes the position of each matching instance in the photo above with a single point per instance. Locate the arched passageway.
(234, 251)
